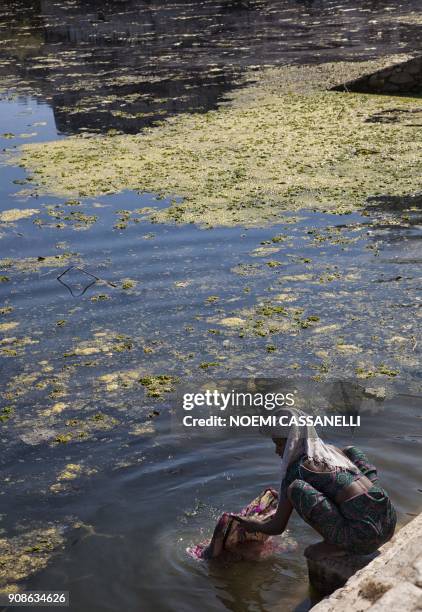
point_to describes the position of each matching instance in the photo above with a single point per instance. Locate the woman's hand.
(273, 524)
(249, 525)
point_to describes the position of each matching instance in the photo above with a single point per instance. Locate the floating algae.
(142, 429)
(13, 346)
(14, 214)
(5, 310)
(266, 319)
(121, 379)
(128, 283)
(155, 386)
(264, 251)
(231, 322)
(57, 408)
(6, 413)
(27, 553)
(268, 149)
(103, 342)
(33, 264)
(8, 326)
(70, 472)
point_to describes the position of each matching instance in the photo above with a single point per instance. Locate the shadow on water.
(388, 203)
(130, 550)
(400, 218)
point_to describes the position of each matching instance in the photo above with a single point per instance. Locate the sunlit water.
(155, 493)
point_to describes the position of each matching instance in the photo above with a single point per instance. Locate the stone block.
(401, 78)
(376, 81)
(392, 581)
(415, 67)
(396, 79)
(391, 88)
(417, 566)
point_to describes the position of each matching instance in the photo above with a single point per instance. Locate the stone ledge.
(393, 580)
(405, 77)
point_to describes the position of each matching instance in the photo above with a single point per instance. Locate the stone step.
(391, 581)
(328, 572)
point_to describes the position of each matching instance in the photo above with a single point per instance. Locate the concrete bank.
(392, 581)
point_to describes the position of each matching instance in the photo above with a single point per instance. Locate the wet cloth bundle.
(231, 540)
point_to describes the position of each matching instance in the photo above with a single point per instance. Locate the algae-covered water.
(153, 254)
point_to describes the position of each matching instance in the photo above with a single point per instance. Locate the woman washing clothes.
(335, 491)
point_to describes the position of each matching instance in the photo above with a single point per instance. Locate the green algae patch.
(34, 264)
(6, 413)
(381, 370)
(5, 310)
(14, 346)
(70, 472)
(142, 429)
(266, 319)
(125, 379)
(23, 555)
(107, 342)
(57, 408)
(15, 214)
(264, 251)
(157, 385)
(128, 283)
(8, 326)
(266, 150)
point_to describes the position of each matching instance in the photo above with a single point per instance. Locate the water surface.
(72, 356)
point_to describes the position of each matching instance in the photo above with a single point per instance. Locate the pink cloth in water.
(237, 543)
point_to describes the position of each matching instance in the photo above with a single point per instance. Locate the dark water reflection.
(124, 64)
(154, 494)
(145, 516)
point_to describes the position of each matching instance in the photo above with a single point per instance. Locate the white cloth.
(303, 440)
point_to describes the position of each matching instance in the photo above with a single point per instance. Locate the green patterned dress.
(359, 525)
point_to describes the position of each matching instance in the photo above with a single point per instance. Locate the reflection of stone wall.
(124, 64)
(131, 107)
(400, 78)
(148, 23)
